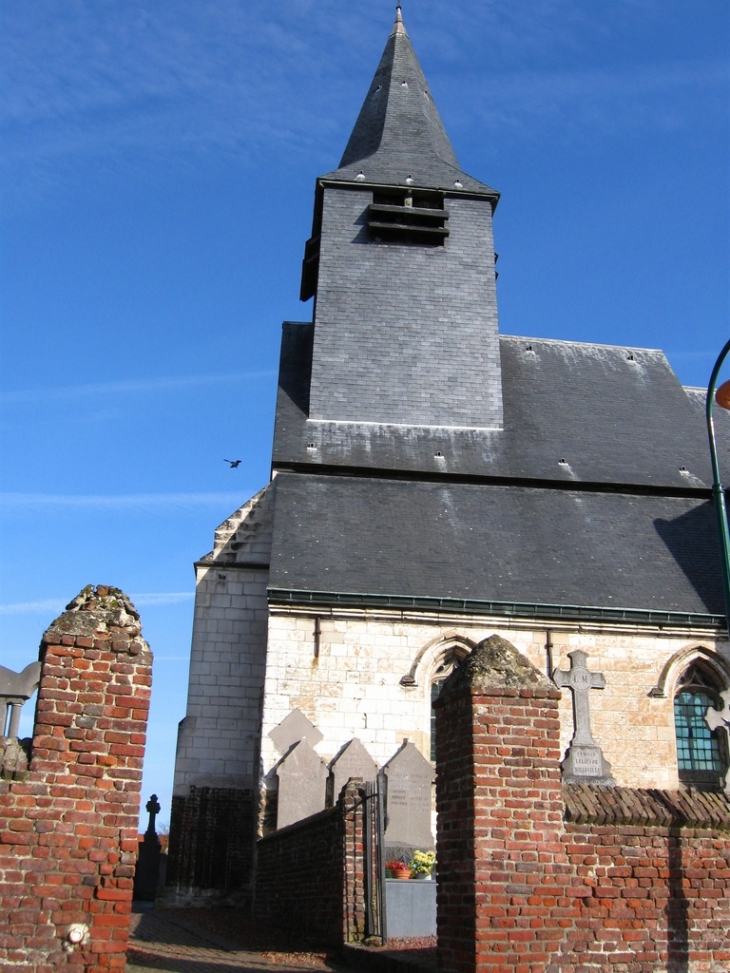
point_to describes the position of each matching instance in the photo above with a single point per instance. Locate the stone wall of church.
(218, 739)
(215, 793)
(368, 674)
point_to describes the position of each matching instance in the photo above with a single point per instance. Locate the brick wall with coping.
(68, 828)
(309, 876)
(538, 878)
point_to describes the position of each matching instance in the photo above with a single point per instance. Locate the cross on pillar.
(584, 758)
(153, 809)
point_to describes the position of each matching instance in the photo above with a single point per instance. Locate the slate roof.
(399, 133)
(592, 500)
(501, 543)
(573, 413)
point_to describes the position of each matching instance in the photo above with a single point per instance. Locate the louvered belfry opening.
(402, 216)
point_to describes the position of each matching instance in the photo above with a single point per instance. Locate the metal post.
(718, 494)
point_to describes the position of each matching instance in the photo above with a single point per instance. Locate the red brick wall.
(68, 831)
(535, 878)
(501, 866)
(309, 876)
(653, 878)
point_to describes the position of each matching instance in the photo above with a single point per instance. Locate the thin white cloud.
(54, 606)
(125, 501)
(161, 598)
(46, 606)
(128, 387)
(132, 86)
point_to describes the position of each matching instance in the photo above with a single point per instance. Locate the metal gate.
(374, 860)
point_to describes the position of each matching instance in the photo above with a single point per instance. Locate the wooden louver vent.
(408, 219)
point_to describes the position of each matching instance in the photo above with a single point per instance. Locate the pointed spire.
(399, 138)
(398, 26)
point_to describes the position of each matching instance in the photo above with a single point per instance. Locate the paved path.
(161, 941)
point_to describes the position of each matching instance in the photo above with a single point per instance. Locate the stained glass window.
(701, 752)
(697, 745)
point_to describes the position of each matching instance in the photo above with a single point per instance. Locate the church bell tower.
(401, 268)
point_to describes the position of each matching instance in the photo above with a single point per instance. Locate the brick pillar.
(501, 865)
(68, 830)
(353, 861)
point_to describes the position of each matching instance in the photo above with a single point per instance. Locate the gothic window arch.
(702, 753)
(448, 660)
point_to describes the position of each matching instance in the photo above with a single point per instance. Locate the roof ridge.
(587, 344)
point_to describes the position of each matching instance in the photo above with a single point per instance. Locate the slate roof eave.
(470, 606)
(469, 187)
(602, 554)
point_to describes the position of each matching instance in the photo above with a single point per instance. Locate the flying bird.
(234, 462)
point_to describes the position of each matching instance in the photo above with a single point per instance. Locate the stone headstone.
(352, 761)
(584, 762)
(408, 799)
(292, 729)
(302, 781)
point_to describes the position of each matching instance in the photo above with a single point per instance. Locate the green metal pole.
(718, 494)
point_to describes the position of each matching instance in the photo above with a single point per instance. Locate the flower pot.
(421, 876)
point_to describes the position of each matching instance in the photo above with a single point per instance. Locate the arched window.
(446, 664)
(701, 753)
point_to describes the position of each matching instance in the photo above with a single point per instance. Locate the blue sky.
(158, 165)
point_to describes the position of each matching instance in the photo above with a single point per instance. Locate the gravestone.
(584, 762)
(352, 761)
(147, 873)
(408, 799)
(302, 780)
(292, 729)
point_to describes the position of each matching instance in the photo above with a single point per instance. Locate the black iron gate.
(374, 860)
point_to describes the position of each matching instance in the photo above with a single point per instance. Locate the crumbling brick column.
(68, 830)
(502, 868)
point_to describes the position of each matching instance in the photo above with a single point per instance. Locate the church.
(435, 483)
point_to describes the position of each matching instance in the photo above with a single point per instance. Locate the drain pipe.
(549, 652)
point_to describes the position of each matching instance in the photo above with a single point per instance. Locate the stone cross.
(153, 809)
(720, 718)
(584, 758)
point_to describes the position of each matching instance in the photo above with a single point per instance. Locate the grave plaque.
(292, 729)
(584, 762)
(302, 779)
(408, 799)
(352, 761)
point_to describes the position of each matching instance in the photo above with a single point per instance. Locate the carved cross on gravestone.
(584, 762)
(720, 718)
